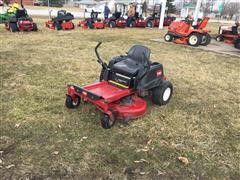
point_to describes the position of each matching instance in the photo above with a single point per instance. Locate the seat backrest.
(117, 15)
(61, 12)
(94, 15)
(202, 24)
(140, 54)
(21, 13)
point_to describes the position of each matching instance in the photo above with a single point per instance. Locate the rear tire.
(112, 24)
(106, 122)
(13, 27)
(162, 94)
(71, 104)
(132, 24)
(149, 24)
(35, 28)
(237, 44)
(194, 39)
(168, 37)
(206, 39)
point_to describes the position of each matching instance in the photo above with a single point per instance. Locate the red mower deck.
(106, 96)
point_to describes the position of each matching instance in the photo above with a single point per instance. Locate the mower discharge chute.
(183, 32)
(62, 21)
(123, 84)
(93, 22)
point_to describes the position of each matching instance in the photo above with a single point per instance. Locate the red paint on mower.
(110, 96)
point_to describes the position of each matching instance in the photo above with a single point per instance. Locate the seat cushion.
(127, 67)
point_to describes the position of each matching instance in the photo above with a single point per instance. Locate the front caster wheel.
(162, 94)
(106, 122)
(70, 103)
(168, 37)
(219, 38)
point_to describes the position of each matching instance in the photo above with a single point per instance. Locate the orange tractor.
(183, 32)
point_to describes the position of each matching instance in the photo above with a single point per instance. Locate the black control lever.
(99, 60)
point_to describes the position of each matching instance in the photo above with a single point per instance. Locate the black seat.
(62, 15)
(117, 15)
(21, 13)
(137, 59)
(61, 12)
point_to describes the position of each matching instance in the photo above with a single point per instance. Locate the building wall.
(26, 2)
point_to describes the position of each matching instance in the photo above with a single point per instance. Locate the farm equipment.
(21, 22)
(92, 23)
(6, 16)
(138, 20)
(117, 19)
(183, 32)
(62, 21)
(154, 19)
(11, 11)
(228, 34)
(123, 84)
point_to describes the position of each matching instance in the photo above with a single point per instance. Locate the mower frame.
(115, 100)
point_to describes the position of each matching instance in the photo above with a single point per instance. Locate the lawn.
(40, 138)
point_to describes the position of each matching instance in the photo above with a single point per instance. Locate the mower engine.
(25, 25)
(67, 25)
(179, 26)
(121, 22)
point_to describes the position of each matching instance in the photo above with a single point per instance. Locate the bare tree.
(229, 9)
(207, 8)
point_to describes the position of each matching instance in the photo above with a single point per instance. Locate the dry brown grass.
(201, 122)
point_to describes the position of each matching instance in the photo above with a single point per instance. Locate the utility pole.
(197, 9)
(49, 11)
(163, 8)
